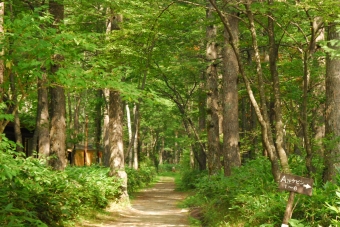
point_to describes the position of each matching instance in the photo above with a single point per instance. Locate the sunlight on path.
(156, 206)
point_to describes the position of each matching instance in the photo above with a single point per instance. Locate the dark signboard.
(296, 184)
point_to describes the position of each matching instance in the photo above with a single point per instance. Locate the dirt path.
(156, 206)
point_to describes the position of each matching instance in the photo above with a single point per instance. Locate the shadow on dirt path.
(156, 206)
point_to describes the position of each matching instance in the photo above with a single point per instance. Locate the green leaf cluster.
(140, 178)
(241, 200)
(34, 195)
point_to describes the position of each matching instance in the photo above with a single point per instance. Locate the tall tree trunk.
(86, 133)
(214, 163)
(304, 115)
(106, 139)
(17, 132)
(261, 113)
(154, 148)
(332, 114)
(58, 102)
(129, 126)
(117, 165)
(58, 129)
(196, 145)
(43, 124)
(315, 26)
(192, 160)
(176, 152)
(202, 124)
(136, 139)
(231, 136)
(279, 127)
(3, 123)
(106, 94)
(76, 125)
(98, 124)
(133, 144)
(161, 153)
(2, 51)
(17, 128)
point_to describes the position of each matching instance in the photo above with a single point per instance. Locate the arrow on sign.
(307, 186)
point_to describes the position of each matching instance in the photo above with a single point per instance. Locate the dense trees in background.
(202, 82)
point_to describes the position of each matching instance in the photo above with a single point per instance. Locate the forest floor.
(155, 206)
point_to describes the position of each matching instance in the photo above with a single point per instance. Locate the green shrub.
(140, 178)
(168, 168)
(190, 179)
(94, 188)
(32, 194)
(250, 197)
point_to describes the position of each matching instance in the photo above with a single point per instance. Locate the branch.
(193, 3)
(176, 93)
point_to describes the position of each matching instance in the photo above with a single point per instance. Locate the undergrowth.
(32, 194)
(140, 178)
(250, 197)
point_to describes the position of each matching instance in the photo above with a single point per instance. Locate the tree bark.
(289, 209)
(279, 127)
(202, 124)
(315, 26)
(261, 113)
(3, 123)
(106, 151)
(196, 146)
(136, 139)
(2, 51)
(213, 144)
(58, 103)
(43, 124)
(231, 136)
(129, 126)
(58, 129)
(98, 124)
(161, 153)
(332, 114)
(176, 151)
(117, 164)
(17, 128)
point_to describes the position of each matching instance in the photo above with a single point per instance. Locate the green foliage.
(103, 189)
(190, 179)
(166, 168)
(34, 195)
(140, 178)
(4, 116)
(335, 207)
(250, 197)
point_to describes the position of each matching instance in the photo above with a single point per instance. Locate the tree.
(117, 164)
(106, 133)
(262, 113)
(43, 124)
(58, 102)
(2, 65)
(213, 108)
(332, 111)
(279, 127)
(230, 99)
(17, 128)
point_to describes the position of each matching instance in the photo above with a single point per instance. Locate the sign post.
(294, 184)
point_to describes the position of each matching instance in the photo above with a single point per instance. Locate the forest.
(98, 97)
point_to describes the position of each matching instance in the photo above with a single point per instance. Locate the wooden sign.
(296, 184)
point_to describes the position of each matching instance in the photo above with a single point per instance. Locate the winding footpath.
(156, 206)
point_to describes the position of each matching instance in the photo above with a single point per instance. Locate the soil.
(156, 206)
